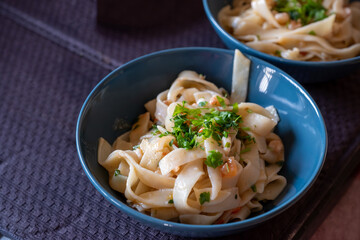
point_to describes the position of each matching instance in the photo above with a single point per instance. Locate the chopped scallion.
(245, 150)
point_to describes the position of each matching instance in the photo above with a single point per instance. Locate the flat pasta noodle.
(184, 183)
(333, 33)
(240, 77)
(209, 158)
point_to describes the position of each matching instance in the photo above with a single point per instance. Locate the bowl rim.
(266, 56)
(155, 222)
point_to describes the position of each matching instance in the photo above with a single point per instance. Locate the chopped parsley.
(155, 130)
(247, 139)
(201, 122)
(227, 167)
(277, 53)
(235, 107)
(249, 110)
(171, 201)
(227, 145)
(307, 11)
(221, 101)
(171, 142)
(202, 104)
(214, 159)
(117, 172)
(253, 188)
(164, 134)
(245, 150)
(312, 32)
(204, 197)
(246, 128)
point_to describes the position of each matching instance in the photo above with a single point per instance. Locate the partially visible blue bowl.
(302, 71)
(122, 94)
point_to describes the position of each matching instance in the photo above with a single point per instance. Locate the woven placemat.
(52, 55)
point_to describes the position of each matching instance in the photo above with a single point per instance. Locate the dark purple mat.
(52, 54)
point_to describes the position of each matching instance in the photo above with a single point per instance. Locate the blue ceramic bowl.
(122, 94)
(304, 72)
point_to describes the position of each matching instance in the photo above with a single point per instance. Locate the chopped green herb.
(306, 11)
(204, 197)
(171, 201)
(258, 37)
(277, 53)
(227, 145)
(249, 110)
(136, 146)
(245, 150)
(247, 139)
(164, 134)
(312, 32)
(236, 196)
(225, 95)
(227, 167)
(253, 188)
(171, 142)
(221, 101)
(202, 148)
(280, 163)
(201, 122)
(117, 172)
(235, 107)
(214, 159)
(202, 104)
(246, 128)
(155, 130)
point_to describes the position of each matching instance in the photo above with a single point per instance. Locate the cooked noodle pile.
(197, 156)
(308, 30)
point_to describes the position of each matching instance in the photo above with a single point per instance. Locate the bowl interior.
(119, 98)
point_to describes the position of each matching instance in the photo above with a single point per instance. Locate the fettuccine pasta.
(198, 156)
(307, 30)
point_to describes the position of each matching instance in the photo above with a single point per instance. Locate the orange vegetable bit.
(229, 168)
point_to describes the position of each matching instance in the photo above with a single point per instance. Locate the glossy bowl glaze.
(302, 71)
(119, 98)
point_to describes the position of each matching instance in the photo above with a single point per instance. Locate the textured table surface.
(52, 54)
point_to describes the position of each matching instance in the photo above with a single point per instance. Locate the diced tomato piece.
(201, 129)
(236, 210)
(229, 168)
